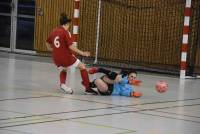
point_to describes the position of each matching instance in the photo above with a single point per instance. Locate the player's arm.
(129, 92)
(126, 93)
(49, 42)
(108, 80)
(49, 48)
(76, 50)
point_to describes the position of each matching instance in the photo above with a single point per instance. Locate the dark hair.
(64, 19)
(126, 72)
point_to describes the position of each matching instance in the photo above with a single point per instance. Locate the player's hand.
(136, 94)
(86, 53)
(135, 82)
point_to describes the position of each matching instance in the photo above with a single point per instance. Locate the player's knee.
(97, 81)
(113, 75)
(81, 66)
(62, 69)
(103, 87)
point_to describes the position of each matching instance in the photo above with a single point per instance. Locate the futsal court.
(160, 39)
(32, 104)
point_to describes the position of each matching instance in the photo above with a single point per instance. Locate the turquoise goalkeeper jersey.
(122, 88)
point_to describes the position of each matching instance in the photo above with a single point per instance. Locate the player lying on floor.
(113, 83)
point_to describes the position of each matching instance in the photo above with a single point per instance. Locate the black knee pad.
(112, 75)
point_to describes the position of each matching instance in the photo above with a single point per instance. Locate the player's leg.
(63, 76)
(103, 87)
(108, 80)
(85, 77)
(111, 74)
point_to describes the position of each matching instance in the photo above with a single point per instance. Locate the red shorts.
(65, 62)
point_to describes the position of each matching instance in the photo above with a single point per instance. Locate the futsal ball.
(161, 86)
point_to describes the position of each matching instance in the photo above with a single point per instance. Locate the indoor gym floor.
(31, 104)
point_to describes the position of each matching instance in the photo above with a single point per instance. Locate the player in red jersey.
(61, 44)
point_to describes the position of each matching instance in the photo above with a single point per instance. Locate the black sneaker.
(91, 91)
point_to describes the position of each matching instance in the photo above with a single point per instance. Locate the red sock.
(63, 76)
(85, 78)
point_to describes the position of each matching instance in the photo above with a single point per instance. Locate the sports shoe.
(91, 91)
(93, 70)
(66, 89)
(136, 94)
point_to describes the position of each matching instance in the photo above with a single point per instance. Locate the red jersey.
(60, 40)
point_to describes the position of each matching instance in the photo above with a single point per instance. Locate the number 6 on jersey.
(56, 42)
